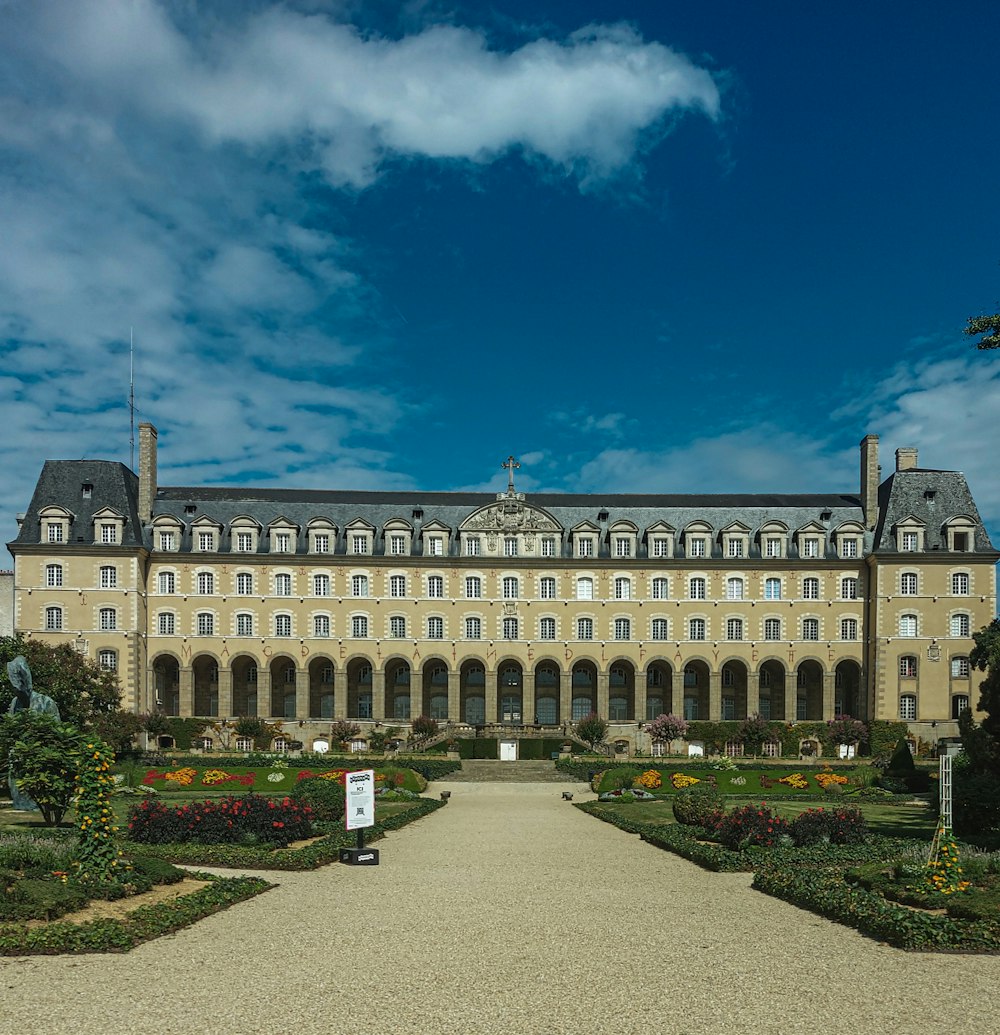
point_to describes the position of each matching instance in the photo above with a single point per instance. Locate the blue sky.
(645, 246)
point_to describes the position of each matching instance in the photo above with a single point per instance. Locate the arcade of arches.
(545, 693)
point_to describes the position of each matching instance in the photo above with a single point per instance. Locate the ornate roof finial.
(510, 465)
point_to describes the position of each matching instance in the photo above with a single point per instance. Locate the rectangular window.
(909, 541)
(849, 547)
(696, 546)
(55, 532)
(109, 619)
(961, 542)
(547, 588)
(772, 548)
(473, 587)
(205, 624)
(585, 546)
(397, 545)
(321, 626)
(435, 546)
(772, 628)
(244, 542)
(735, 546)
(623, 629)
(697, 588)
(435, 628)
(165, 624)
(282, 625)
(661, 546)
(321, 585)
(510, 588)
(360, 543)
(810, 548)
(282, 542)
(244, 583)
(435, 586)
(397, 627)
(510, 546)
(397, 586)
(510, 628)
(206, 540)
(960, 668)
(472, 546)
(548, 547)
(321, 543)
(623, 546)
(359, 626)
(109, 533)
(166, 540)
(659, 629)
(734, 628)
(585, 628)
(473, 628)
(696, 629)
(547, 629)
(848, 629)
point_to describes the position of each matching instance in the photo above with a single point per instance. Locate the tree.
(985, 656)
(424, 726)
(45, 756)
(342, 731)
(754, 732)
(989, 327)
(118, 729)
(592, 728)
(667, 728)
(842, 729)
(80, 687)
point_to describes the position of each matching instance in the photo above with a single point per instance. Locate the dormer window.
(622, 537)
(206, 541)
(321, 535)
(87, 490)
(736, 541)
(960, 534)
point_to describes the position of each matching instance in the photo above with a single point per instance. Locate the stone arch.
(547, 687)
(583, 681)
(245, 675)
(696, 683)
(472, 691)
(772, 680)
(809, 690)
(283, 678)
(734, 689)
(510, 692)
(166, 670)
(205, 680)
(848, 696)
(434, 682)
(398, 676)
(621, 691)
(659, 688)
(322, 678)
(360, 672)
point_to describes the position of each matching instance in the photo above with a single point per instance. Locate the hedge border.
(311, 857)
(142, 925)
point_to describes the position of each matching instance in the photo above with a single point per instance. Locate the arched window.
(585, 588)
(166, 583)
(547, 588)
(282, 625)
(397, 627)
(907, 625)
(960, 584)
(359, 585)
(473, 587)
(205, 623)
(321, 626)
(960, 668)
(908, 667)
(734, 628)
(166, 623)
(510, 628)
(359, 626)
(244, 624)
(908, 707)
(283, 585)
(321, 585)
(623, 628)
(959, 704)
(810, 589)
(108, 660)
(734, 588)
(397, 586)
(585, 628)
(697, 588)
(435, 628)
(244, 584)
(810, 628)
(53, 575)
(108, 619)
(623, 589)
(435, 586)
(511, 590)
(473, 628)
(696, 629)
(959, 625)
(109, 576)
(772, 589)
(848, 628)
(659, 629)
(772, 628)
(206, 582)
(661, 589)
(547, 629)
(908, 584)
(849, 588)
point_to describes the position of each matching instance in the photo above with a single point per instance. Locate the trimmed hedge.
(319, 853)
(143, 924)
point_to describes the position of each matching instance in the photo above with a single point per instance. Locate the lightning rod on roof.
(131, 405)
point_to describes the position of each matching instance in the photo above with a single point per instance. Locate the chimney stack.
(147, 471)
(870, 473)
(906, 458)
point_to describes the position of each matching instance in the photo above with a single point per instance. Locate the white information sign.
(360, 804)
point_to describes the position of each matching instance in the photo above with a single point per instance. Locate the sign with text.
(360, 804)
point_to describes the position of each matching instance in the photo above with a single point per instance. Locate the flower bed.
(224, 821)
(742, 781)
(280, 777)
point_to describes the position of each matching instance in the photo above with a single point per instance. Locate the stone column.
(339, 693)
(491, 696)
(566, 697)
(264, 691)
(602, 695)
(829, 694)
(677, 692)
(715, 696)
(416, 694)
(225, 693)
(186, 688)
(528, 697)
(753, 693)
(639, 697)
(791, 696)
(302, 693)
(378, 694)
(454, 695)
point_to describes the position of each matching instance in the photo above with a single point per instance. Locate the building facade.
(483, 609)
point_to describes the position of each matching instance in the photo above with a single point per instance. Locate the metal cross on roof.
(510, 465)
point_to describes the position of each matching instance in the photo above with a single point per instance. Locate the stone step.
(489, 770)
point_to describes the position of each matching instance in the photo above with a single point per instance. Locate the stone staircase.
(488, 770)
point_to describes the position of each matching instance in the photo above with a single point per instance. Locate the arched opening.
(435, 685)
(510, 690)
(696, 690)
(167, 684)
(321, 688)
(584, 682)
(282, 688)
(205, 673)
(472, 682)
(621, 692)
(809, 692)
(397, 689)
(659, 689)
(848, 699)
(244, 670)
(359, 689)
(734, 690)
(547, 694)
(772, 690)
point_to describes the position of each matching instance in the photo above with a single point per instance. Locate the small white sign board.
(360, 804)
(846, 750)
(696, 748)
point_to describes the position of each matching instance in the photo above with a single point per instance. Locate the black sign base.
(359, 856)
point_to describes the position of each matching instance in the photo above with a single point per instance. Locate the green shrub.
(698, 806)
(901, 762)
(864, 776)
(325, 797)
(750, 825)
(831, 826)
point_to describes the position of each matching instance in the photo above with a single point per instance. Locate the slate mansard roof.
(933, 497)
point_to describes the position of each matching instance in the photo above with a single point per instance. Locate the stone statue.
(25, 699)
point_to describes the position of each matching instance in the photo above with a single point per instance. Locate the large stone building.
(507, 609)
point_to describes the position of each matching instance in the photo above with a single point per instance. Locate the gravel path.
(507, 911)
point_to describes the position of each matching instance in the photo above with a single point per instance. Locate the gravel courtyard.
(507, 911)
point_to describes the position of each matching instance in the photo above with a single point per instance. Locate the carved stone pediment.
(510, 513)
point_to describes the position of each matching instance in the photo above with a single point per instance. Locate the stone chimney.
(147, 471)
(906, 458)
(871, 474)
